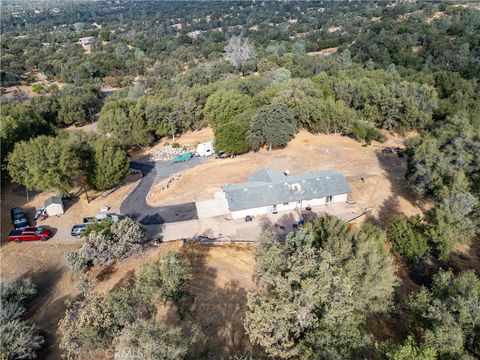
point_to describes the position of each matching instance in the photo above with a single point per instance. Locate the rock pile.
(167, 153)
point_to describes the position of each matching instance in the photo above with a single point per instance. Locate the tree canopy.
(316, 291)
(43, 163)
(109, 165)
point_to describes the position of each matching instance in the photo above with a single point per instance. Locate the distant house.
(194, 34)
(54, 206)
(86, 40)
(269, 191)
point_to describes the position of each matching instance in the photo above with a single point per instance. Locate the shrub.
(154, 341)
(87, 325)
(37, 88)
(164, 279)
(364, 131)
(406, 236)
(18, 339)
(106, 242)
(230, 137)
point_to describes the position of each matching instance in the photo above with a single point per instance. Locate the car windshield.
(19, 221)
(39, 230)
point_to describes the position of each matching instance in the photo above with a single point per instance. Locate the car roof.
(17, 210)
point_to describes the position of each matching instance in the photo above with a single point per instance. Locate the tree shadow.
(105, 273)
(218, 309)
(46, 312)
(394, 168)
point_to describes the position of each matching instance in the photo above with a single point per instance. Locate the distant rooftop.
(267, 187)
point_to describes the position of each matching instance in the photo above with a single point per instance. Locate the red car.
(30, 234)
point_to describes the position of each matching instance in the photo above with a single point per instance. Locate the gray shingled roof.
(268, 187)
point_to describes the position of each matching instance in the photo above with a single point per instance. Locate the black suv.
(19, 219)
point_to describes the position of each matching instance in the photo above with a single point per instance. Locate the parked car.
(30, 234)
(78, 230)
(100, 217)
(19, 219)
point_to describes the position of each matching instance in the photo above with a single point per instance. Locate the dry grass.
(323, 52)
(382, 188)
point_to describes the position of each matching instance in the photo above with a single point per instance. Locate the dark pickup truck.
(19, 219)
(29, 234)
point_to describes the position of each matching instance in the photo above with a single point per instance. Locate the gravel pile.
(167, 153)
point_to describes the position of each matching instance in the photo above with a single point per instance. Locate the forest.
(256, 73)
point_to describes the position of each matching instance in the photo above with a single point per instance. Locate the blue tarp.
(182, 157)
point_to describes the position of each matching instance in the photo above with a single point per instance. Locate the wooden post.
(86, 193)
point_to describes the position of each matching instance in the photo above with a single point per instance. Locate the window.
(329, 199)
(285, 203)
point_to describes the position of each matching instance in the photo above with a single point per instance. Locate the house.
(54, 206)
(86, 40)
(205, 149)
(269, 191)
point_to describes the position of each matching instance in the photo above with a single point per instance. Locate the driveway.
(135, 205)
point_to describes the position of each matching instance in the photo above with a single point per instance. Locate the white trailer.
(205, 149)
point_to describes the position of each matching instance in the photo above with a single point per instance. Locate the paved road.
(135, 204)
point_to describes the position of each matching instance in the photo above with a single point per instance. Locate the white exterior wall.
(54, 209)
(240, 214)
(339, 198)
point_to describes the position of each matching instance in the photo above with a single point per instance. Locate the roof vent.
(245, 189)
(327, 177)
(286, 172)
(296, 188)
(270, 186)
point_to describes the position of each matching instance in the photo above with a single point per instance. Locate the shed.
(205, 149)
(54, 206)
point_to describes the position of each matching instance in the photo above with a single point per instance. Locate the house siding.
(240, 214)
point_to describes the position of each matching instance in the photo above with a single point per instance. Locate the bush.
(406, 236)
(37, 88)
(75, 261)
(18, 339)
(409, 350)
(88, 325)
(230, 138)
(106, 242)
(164, 279)
(154, 341)
(367, 132)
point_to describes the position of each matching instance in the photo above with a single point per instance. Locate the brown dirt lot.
(383, 186)
(14, 195)
(222, 276)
